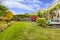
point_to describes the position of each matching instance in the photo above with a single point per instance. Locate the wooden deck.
(53, 23)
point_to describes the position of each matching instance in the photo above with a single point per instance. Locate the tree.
(40, 13)
(9, 15)
(5, 13)
(33, 18)
(2, 10)
(27, 15)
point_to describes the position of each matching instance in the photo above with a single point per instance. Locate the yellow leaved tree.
(5, 13)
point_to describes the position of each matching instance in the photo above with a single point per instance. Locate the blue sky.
(27, 6)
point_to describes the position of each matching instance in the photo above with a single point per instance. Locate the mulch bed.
(53, 26)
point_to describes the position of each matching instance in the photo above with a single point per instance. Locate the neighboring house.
(54, 14)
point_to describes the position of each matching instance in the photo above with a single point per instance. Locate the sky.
(27, 6)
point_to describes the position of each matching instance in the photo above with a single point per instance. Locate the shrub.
(33, 18)
(41, 22)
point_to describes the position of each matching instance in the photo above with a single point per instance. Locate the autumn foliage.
(8, 16)
(5, 13)
(33, 18)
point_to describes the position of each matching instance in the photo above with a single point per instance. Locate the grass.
(29, 31)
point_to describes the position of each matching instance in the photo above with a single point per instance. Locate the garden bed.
(4, 25)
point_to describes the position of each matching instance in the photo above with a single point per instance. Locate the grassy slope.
(30, 31)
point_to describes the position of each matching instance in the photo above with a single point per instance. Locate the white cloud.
(19, 0)
(47, 4)
(14, 0)
(36, 1)
(12, 4)
(13, 11)
(31, 5)
(18, 4)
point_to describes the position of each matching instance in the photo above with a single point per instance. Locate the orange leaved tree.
(5, 13)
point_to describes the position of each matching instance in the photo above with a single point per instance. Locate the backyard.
(29, 31)
(42, 24)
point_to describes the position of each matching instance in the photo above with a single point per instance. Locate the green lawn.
(29, 31)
